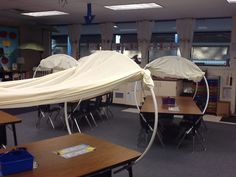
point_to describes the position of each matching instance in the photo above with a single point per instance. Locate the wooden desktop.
(104, 158)
(186, 106)
(7, 119)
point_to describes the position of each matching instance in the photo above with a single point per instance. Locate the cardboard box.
(223, 108)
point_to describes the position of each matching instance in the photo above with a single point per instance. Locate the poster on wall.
(9, 40)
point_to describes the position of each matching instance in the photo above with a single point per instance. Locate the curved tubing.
(154, 128)
(66, 118)
(155, 120)
(35, 71)
(207, 100)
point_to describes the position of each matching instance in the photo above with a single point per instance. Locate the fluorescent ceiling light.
(44, 13)
(134, 6)
(231, 1)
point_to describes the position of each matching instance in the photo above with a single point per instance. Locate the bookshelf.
(214, 84)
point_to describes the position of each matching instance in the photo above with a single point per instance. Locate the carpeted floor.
(124, 128)
(231, 119)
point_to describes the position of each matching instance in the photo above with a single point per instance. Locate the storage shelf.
(213, 94)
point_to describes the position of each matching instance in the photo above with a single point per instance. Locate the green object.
(31, 46)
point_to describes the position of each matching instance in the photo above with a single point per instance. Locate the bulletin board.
(9, 41)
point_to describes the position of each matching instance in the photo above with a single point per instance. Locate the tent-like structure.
(58, 62)
(175, 67)
(95, 75)
(179, 68)
(100, 73)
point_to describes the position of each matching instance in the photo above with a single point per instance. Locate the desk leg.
(3, 135)
(130, 170)
(14, 134)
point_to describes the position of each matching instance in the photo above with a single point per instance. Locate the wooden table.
(6, 119)
(186, 106)
(106, 156)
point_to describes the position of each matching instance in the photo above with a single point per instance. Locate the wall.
(36, 35)
(9, 41)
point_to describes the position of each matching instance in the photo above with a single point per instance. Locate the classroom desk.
(6, 119)
(186, 106)
(105, 157)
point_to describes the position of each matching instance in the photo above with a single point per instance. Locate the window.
(162, 44)
(211, 48)
(128, 46)
(59, 44)
(89, 44)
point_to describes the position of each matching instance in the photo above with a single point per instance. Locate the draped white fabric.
(107, 35)
(74, 35)
(144, 37)
(175, 67)
(185, 28)
(94, 75)
(233, 39)
(58, 62)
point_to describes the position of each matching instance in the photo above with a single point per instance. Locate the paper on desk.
(174, 108)
(74, 151)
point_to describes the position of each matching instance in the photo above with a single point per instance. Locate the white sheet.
(97, 74)
(58, 62)
(175, 67)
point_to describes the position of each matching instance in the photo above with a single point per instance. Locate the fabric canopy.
(58, 62)
(97, 74)
(175, 67)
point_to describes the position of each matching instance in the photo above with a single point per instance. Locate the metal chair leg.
(181, 140)
(201, 140)
(193, 141)
(160, 139)
(91, 115)
(77, 125)
(51, 122)
(40, 116)
(86, 117)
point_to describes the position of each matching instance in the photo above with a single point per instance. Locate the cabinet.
(167, 88)
(124, 94)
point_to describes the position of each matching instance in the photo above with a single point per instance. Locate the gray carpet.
(123, 129)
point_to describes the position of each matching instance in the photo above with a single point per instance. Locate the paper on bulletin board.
(6, 43)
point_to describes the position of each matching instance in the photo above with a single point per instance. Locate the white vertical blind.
(185, 29)
(74, 32)
(107, 35)
(144, 37)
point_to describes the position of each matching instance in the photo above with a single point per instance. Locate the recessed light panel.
(44, 13)
(134, 6)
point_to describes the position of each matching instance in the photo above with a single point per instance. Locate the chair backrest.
(39, 72)
(109, 98)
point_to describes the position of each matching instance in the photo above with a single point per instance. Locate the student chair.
(47, 112)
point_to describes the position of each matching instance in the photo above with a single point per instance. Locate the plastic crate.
(15, 161)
